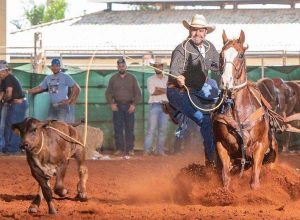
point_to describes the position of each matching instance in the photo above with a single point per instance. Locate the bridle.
(238, 70)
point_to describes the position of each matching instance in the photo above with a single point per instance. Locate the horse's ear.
(242, 37)
(224, 36)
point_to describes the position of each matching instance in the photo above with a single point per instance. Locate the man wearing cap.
(57, 85)
(190, 62)
(156, 85)
(123, 93)
(11, 95)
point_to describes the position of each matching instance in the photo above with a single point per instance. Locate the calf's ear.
(19, 128)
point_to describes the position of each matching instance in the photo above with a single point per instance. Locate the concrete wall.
(2, 29)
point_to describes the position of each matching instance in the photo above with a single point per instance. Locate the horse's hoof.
(32, 210)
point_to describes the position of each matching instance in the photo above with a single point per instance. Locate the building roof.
(266, 30)
(198, 2)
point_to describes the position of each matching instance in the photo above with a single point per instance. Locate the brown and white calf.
(49, 145)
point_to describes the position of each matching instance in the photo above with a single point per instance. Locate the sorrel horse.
(268, 90)
(289, 101)
(241, 127)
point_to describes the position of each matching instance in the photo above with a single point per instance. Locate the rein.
(240, 126)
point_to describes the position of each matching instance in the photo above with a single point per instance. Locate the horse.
(241, 126)
(270, 92)
(289, 100)
(287, 97)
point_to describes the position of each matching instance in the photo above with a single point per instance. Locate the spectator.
(11, 94)
(190, 62)
(123, 93)
(57, 85)
(156, 85)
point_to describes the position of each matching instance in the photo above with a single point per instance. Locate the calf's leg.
(35, 204)
(83, 175)
(60, 175)
(39, 176)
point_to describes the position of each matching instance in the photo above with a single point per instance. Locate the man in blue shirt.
(57, 85)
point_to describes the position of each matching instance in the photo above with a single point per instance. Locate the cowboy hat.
(199, 21)
(157, 62)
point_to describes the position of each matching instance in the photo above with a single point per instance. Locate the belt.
(18, 101)
(124, 102)
(174, 86)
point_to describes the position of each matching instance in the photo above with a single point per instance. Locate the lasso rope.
(186, 88)
(60, 132)
(64, 134)
(86, 97)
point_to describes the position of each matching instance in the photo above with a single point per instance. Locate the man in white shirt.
(156, 85)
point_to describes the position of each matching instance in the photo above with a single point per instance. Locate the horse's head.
(232, 61)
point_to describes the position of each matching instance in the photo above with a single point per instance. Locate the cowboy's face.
(197, 35)
(158, 69)
(122, 68)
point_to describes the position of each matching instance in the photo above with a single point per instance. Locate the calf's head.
(30, 131)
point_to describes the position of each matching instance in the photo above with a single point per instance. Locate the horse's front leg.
(275, 148)
(223, 154)
(258, 156)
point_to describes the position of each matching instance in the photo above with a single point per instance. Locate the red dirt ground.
(155, 188)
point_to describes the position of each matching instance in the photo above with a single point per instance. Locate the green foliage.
(39, 14)
(55, 11)
(36, 14)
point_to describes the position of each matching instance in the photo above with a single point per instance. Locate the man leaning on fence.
(123, 93)
(58, 85)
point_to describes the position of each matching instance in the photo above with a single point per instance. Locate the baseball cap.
(121, 61)
(3, 65)
(55, 61)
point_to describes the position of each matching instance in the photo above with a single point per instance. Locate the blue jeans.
(181, 102)
(157, 118)
(16, 113)
(124, 123)
(60, 113)
(4, 108)
(71, 115)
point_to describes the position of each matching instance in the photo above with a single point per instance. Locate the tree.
(54, 10)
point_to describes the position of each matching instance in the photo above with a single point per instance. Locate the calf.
(49, 145)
